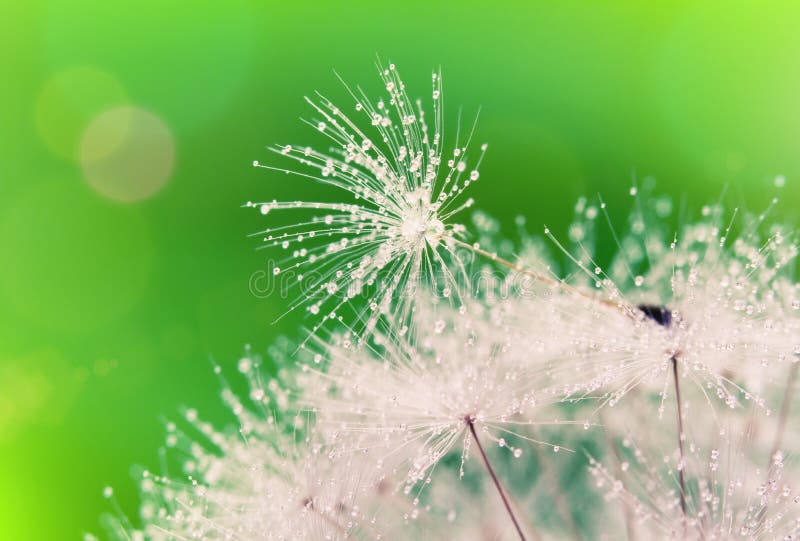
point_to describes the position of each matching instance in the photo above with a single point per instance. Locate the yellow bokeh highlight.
(68, 101)
(38, 387)
(127, 153)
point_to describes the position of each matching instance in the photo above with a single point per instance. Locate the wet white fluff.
(402, 183)
(446, 368)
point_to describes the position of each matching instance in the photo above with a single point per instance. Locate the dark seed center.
(660, 314)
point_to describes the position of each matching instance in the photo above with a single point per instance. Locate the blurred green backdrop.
(127, 132)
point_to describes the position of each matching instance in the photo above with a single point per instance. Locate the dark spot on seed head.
(660, 314)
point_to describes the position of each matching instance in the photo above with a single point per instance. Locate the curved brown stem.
(496, 481)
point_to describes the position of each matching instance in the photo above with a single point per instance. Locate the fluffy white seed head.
(403, 184)
(720, 302)
(413, 403)
(727, 495)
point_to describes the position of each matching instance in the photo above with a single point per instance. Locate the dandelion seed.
(418, 401)
(406, 185)
(373, 431)
(727, 501)
(258, 482)
(715, 301)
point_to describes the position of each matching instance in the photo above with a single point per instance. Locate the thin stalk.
(539, 277)
(496, 481)
(681, 476)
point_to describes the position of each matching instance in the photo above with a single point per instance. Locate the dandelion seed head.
(406, 186)
(730, 497)
(415, 401)
(715, 295)
(260, 481)
(436, 343)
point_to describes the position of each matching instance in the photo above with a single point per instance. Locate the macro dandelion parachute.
(518, 393)
(461, 385)
(717, 305)
(403, 182)
(727, 498)
(259, 481)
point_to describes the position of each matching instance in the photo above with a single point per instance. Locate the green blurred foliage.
(110, 310)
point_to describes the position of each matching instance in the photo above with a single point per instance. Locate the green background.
(110, 308)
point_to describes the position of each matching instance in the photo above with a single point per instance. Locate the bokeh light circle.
(127, 153)
(189, 65)
(68, 101)
(39, 387)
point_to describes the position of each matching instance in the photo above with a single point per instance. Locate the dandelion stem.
(496, 481)
(539, 277)
(681, 464)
